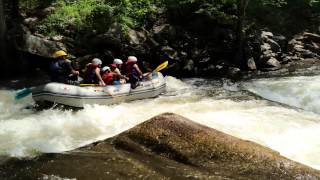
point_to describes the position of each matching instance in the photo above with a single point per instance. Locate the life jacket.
(58, 72)
(129, 69)
(108, 77)
(91, 77)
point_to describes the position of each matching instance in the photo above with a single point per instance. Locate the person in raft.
(133, 72)
(118, 63)
(108, 75)
(117, 78)
(61, 69)
(92, 74)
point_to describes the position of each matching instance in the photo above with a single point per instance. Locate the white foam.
(293, 133)
(301, 92)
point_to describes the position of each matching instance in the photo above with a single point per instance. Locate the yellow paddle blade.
(82, 85)
(161, 66)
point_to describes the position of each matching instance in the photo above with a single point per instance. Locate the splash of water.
(294, 133)
(301, 92)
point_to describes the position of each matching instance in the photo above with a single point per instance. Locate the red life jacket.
(129, 69)
(108, 77)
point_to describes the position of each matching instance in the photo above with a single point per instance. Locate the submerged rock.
(167, 146)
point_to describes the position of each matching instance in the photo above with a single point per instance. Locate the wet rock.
(137, 37)
(48, 10)
(30, 21)
(102, 41)
(169, 52)
(274, 46)
(251, 64)
(313, 47)
(311, 37)
(266, 35)
(188, 66)
(305, 45)
(40, 46)
(167, 146)
(270, 51)
(234, 73)
(57, 38)
(164, 32)
(273, 62)
(282, 41)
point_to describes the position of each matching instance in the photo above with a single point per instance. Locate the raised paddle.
(159, 68)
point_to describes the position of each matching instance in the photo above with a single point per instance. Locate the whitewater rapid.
(230, 108)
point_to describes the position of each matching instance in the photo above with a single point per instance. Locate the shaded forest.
(205, 37)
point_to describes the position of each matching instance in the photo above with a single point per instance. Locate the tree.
(2, 36)
(242, 5)
(226, 12)
(9, 19)
(239, 55)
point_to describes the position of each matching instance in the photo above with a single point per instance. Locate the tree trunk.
(14, 8)
(239, 55)
(3, 39)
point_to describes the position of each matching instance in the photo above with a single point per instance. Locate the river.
(280, 113)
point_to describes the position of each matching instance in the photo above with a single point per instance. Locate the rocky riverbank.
(167, 146)
(194, 44)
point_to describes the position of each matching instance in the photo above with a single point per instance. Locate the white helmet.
(132, 59)
(117, 61)
(105, 68)
(96, 61)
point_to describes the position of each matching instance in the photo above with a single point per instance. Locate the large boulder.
(37, 45)
(311, 37)
(137, 37)
(269, 47)
(306, 45)
(167, 146)
(164, 32)
(251, 64)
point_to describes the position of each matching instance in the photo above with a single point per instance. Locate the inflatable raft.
(77, 96)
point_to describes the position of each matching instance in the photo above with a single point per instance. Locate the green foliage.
(100, 17)
(275, 3)
(83, 15)
(285, 17)
(70, 15)
(96, 14)
(221, 11)
(29, 5)
(132, 13)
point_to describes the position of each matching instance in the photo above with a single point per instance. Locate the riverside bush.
(79, 15)
(86, 15)
(69, 15)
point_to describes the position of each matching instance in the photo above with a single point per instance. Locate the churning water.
(230, 108)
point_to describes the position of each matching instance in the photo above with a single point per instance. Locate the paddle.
(159, 68)
(83, 85)
(22, 93)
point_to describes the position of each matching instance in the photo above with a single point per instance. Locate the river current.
(280, 113)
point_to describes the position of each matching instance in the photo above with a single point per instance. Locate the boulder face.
(37, 45)
(306, 45)
(167, 146)
(270, 49)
